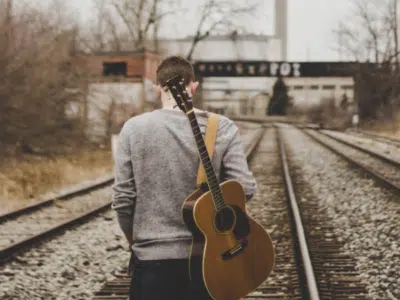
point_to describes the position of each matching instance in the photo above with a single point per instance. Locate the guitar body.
(196, 252)
(237, 252)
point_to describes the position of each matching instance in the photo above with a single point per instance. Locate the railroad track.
(377, 137)
(371, 147)
(334, 271)
(24, 228)
(270, 208)
(381, 168)
(303, 235)
(309, 264)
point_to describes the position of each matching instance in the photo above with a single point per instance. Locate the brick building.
(130, 66)
(120, 86)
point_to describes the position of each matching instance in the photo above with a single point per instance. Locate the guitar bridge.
(229, 254)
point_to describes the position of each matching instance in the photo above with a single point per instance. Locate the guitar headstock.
(176, 86)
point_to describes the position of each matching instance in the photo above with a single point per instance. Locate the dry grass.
(389, 129)
(22, 180)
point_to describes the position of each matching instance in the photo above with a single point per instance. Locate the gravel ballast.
(71, 266)
(365, 216)
(384, 169)
(45, 218)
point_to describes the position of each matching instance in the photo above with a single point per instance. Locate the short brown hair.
(172, 66)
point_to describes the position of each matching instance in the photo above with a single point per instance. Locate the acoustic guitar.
(237, 254)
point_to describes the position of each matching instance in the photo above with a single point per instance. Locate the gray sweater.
(156, 164)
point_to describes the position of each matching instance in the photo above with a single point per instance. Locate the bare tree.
(219, 16)
(371, 35)
(35, 75)
(370, 32)
(135, 24)
(127, 24)
(99, 26)
(102, 32)
(6, 19)
(395, 30)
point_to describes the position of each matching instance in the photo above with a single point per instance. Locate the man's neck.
(169, 106)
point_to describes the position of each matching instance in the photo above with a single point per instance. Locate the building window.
(114, 69)
(328, 87)
(347, 87)
(298, 87)
(314, 87)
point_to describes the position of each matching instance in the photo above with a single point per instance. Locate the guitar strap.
(209, 139)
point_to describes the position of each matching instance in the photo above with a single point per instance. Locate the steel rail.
(13, 249)
(378, 137)
(305, 254)
(48, 200)
(369, 152)
(377, 177)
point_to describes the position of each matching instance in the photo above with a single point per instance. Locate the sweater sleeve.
(124, 190)
(234, 163)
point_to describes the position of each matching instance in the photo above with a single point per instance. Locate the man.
(156, 166)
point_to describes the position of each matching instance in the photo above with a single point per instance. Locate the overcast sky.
(310, 25)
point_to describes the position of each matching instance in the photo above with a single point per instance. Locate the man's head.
(172, 66)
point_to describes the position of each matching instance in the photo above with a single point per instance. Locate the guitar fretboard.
(212, 180)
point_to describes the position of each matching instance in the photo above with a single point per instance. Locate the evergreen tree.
(344, 102)
(280, 99)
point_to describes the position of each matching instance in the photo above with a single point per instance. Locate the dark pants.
(165, 279)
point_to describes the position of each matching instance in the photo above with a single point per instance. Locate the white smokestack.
(281, 25)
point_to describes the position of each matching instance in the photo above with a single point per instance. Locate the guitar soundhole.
(225, 219)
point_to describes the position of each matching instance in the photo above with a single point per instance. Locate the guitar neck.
(212, 180)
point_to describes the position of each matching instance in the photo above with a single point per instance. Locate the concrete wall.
(110, 105)
(310, 91)
(255, 105)
(111, 100)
